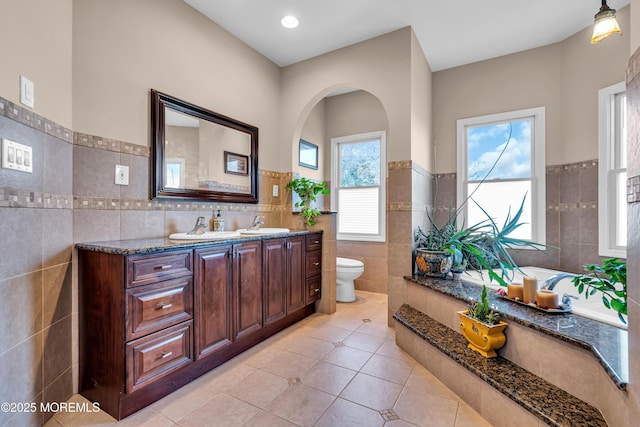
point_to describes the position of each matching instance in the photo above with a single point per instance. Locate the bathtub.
(591, 307)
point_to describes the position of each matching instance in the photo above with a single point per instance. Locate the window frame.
(335, 178)
(607, 212)
(538, 177)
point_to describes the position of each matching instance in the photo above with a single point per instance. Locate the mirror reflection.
(203, 155)
(199, 154)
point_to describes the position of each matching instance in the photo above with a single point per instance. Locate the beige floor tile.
(344, 321)
(258, 357)
(364, 342)
(468, 417)
(372, 392)
(424, 381)
(328, 333)
(52, 423)
(390, 349)
(388, 368)
(348, 414)
(259, 388)
(226, 376)
(301, 405)
(288, 365)
(221, 411)
(73, 419)
(146, 418)
(310, 347)
(327, 377)
(265, 419)
(399, 423)
(426, 409)
(183, 401)
(376, 329)
(347, 357)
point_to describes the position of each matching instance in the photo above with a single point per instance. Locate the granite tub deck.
(606, 342)
(547, 402)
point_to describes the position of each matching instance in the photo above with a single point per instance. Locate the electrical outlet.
(17, 156)
(122, 175)
(275, 190)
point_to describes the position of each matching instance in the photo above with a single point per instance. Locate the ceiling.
(451, 33)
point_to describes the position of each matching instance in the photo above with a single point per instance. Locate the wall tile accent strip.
(404, 164)
(633, 189)
(29, 118)
(14, 198)
(109, 144)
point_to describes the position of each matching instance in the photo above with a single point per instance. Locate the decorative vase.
(483, 338)
(433, 263)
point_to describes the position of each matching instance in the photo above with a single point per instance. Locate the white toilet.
(347, 270)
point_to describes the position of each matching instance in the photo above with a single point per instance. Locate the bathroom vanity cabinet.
(155, 315)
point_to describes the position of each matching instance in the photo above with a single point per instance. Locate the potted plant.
(482, 246)
(308, 191)
(481, 326)
(610, 279)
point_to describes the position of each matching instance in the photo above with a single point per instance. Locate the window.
(358, 186)
(500, 164)
(612, 172)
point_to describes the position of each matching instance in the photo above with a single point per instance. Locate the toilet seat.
(348, 263)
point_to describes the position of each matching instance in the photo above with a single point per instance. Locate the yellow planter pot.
(483, 338)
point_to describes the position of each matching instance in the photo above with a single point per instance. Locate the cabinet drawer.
(154, 307)
(314, 263)
(314, 242)
(145, 269)
(314, 291)
(157, 355)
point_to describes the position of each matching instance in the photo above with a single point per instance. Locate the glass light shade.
(605, 25)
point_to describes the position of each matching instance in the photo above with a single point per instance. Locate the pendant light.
(605, 24)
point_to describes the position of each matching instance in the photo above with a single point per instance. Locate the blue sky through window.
(485, 143)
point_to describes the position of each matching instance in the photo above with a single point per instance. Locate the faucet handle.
(566, 300)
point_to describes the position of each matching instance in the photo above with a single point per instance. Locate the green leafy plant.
(308, 191)
(610, 279)
(481, 311)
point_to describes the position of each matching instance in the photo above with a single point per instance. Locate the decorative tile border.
(403, 164)
(108, 144)
(15, 198)
(633, 189)
(29, 118)
(572, 167)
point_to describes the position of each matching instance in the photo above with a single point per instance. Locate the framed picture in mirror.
(236, 164)
(308, 155)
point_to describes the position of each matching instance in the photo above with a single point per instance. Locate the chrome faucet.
(200, 226)
(552, 281)
(257, 222)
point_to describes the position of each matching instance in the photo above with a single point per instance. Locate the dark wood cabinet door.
(275, 278)
(212, 311)
(296, 285)
(247, 287)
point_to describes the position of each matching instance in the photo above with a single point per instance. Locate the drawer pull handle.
(316, 241)
(316, 264)
(316, 290)
(165, 355)
(163, 267)
(164, 306)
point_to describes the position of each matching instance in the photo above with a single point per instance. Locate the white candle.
(530, 286)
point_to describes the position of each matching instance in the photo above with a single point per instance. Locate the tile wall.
(572, 215)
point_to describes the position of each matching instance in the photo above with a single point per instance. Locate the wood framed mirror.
(198, 154)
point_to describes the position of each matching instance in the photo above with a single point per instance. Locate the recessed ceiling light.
(289, 22)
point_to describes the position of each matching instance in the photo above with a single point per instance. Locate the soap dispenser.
(218, 222)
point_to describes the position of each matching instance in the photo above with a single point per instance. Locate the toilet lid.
(348, 263)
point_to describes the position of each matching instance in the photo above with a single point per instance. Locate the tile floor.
(340, 370)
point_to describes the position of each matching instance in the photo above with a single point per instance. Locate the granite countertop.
(162, 244)
(607, 342)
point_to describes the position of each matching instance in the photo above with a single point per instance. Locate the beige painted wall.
(634, 34)
(39, 49)
(121, 49)
(421, 101)
(380, 66)
(314, 132)
(564, 77)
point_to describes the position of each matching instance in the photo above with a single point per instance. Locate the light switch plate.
(17, 156)
(122, 175)
(27, 92)
(275, 190)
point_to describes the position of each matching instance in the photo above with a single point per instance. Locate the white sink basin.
(209, 235)
(262, 231)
